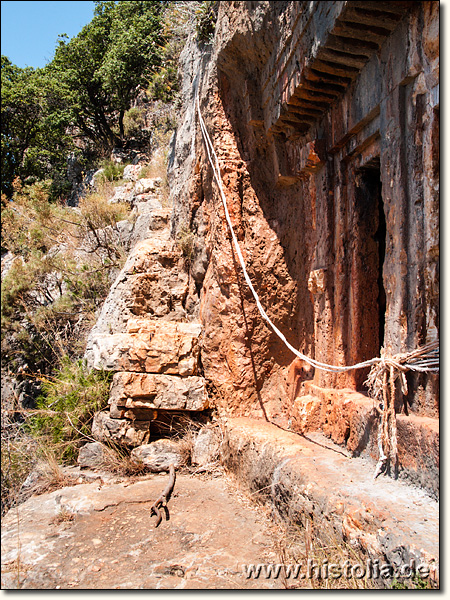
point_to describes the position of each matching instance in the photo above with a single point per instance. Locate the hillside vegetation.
(109, 94)
(77, 103)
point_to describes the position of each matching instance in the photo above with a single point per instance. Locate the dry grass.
(98, 213)
(48, 476)
(18, 450)
(117, 461)
(185, 445)
(186, 241)
(303, 545)
(64, 516)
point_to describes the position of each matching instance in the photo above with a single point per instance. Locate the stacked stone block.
(147, 337)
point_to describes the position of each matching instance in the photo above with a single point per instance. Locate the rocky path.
(323, 504)
(101, 536)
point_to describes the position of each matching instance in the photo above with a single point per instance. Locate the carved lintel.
(315, 156)
(294, 162)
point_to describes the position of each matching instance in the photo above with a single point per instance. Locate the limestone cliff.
(324, 117)
(325, 120)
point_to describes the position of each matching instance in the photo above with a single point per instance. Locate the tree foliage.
(34, 120)
(102, 69)
(80, 98)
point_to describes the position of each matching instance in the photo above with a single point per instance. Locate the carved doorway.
(367, 293)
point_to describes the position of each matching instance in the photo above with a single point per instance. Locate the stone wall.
(325, 119)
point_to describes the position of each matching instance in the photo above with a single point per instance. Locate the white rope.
(430, 365)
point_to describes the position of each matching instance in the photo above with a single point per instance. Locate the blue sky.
(30, 29)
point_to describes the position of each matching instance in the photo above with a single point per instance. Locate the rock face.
(145, 390)
(146, 331)
(152, 283)
(91, 455)
(159, 455)
(206, 446)
(157, 347)
(325, 118)
(126, 432)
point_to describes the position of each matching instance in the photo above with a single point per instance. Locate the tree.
(20, 114)
(34, 143)
(102, 69)
(78, 101)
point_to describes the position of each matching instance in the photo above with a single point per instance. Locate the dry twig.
(162, 501)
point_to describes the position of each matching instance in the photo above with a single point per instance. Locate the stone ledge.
(351, 420)
(311, 485)
(120, 431)
(150, 347)
(164, 392)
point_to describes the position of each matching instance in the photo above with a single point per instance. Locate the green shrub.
(163, 85)
(206, 16)
(111, 171)
(67, 406)
(415, 583)
(133, 121)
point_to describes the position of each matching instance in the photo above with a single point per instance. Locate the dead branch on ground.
(162, 501)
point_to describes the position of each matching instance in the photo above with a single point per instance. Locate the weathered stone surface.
(306, 414)
(123, 193)
(131, 172)
(143, 186)
(133, 414)
(7, 262)
(120, 431)
(356, 216)
(155, 221)
(303, 480)
(147, 217)
(19, 393)
(206, 446)
(112, 543)
(352, 420)
(418, 451)
(159, 455)
(8, 392)
(164, 392)
(316, 281)
(91, 455)
(37, 479)
(147, 204)
(150, 347)
(152, 283)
